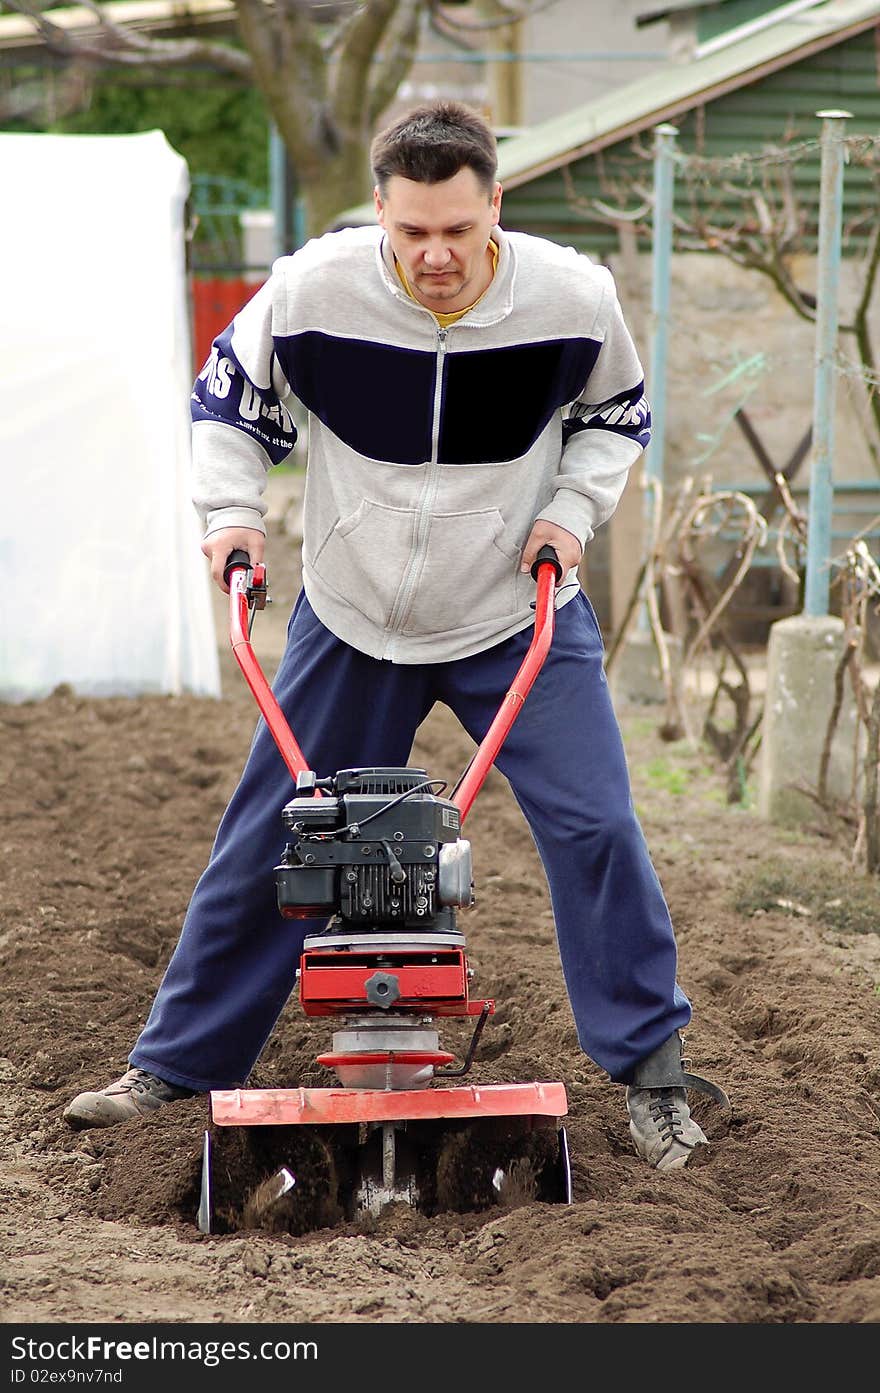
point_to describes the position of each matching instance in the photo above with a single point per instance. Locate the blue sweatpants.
(234, 965)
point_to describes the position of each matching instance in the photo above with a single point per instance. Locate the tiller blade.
(353, 1152)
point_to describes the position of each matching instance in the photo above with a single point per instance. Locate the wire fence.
(748, 208)
(710, 538)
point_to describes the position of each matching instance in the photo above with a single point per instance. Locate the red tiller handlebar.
(243, 594)
(547, 571)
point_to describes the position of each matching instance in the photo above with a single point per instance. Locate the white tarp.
(103, 584)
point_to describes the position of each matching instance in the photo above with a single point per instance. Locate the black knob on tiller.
(547, 553)
(234, 559)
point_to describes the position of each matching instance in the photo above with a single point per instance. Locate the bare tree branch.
(325, 71)
(68, 90)
(770, 228)
(723, 504)
(288, 57)
(400, 51)
(872, 264)
(117, 46)
(860, 321)
(872, 755)
(825, 758)
(362, 41)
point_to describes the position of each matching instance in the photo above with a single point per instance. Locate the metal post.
(661, 269)
(288, 209)
(278, 191)
(818, 575)
(299, 224)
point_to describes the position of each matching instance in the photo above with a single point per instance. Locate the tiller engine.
(378, 854)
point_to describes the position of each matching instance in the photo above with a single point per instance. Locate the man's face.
(440, 234)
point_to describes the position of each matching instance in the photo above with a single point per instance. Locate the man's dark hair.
(432, 142)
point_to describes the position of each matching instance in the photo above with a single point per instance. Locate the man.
(473, 395)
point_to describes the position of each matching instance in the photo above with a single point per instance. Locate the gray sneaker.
(661, 1126)
(135, 1094)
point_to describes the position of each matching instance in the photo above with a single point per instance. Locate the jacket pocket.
(469, 573)
(364, 556)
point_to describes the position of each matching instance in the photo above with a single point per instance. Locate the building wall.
(581, 50)
(567, 54)
(779, 110)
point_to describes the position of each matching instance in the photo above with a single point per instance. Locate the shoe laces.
(137, 1081)
(665, 1113)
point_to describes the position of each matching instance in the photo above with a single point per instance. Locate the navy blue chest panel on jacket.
(379, 400)
(496, 403)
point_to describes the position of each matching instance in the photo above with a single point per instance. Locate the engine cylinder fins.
(380, 779)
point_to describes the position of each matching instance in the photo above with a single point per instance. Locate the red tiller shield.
(288, 1107)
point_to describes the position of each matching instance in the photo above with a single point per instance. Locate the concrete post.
(803, 657)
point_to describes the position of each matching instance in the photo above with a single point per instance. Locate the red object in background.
(214, 304)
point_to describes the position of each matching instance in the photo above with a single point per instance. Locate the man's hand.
(548, 534)
(218, 546)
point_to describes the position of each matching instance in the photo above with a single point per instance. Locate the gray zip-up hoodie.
(431, 452)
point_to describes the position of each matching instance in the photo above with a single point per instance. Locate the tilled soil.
(109, 813)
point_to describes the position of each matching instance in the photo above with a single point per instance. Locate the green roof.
(729, 63)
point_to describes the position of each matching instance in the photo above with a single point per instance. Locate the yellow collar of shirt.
(444, 320)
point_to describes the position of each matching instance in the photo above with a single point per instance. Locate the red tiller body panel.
(288, 1107)
(420, 985)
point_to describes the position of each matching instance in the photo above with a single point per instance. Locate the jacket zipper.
(429, 489)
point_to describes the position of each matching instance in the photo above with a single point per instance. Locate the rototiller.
(379, 854)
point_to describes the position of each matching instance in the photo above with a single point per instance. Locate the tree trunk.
(341, 183)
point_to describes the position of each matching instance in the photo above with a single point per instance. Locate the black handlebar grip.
(547, 553)
(235, 558)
